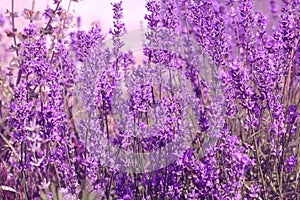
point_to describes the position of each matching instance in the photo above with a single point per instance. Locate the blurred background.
(90, 11)
(100, 11)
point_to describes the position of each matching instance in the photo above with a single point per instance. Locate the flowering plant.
(212, 111)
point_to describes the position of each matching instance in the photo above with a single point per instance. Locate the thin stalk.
(25, 187)
(15, 39)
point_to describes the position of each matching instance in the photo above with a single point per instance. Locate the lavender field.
(201, 102)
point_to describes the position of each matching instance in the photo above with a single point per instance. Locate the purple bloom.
(2, 20)
(290, 163)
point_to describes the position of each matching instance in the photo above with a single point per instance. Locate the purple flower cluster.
(211, 113)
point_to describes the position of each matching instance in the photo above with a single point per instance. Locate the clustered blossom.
(80, 120)
(82, 42)
(290, 163)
